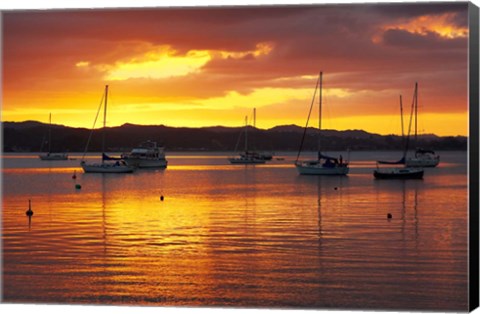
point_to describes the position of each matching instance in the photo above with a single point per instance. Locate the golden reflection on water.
(243, 236)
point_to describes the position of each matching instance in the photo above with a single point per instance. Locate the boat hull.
(106, 168)
(53, 157)
(146, 163)
(256, 155)
(246, 161)
(422, 162)
(147, 155)
(403, 173)
(319, 169)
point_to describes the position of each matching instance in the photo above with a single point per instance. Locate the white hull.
(422, 162)
(146, 163)
(53, 157)
(107, 168)
(309, 168)
(147, 155)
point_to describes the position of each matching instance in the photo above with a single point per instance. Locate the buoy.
(161, 198)
(74, 174)
(335, 188)
(78, 186)
(29, 212)
(389, 216)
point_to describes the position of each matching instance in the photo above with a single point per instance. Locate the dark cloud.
(411, 10)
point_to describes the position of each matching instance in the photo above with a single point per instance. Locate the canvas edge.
(473, 19)
(473, 142)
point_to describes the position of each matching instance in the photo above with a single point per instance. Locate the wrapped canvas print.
(320, 156)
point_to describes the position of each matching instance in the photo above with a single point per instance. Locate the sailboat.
(258, 155)
(246, 157)
(108, 164)
(422, 157)
(50, 155)
(401, 171)
(323, 165)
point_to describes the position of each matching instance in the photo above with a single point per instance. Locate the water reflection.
(104, 219)
(405, 205)
(319, 214)
(244, 236)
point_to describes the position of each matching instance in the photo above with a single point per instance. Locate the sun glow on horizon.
(210, 67)
(441, 124)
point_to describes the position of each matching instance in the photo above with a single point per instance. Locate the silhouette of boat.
(108, 164)
(324, 164)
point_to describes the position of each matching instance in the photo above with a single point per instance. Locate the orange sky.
(204, 67)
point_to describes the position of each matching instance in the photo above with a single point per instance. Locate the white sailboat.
(246, 157)
(323, 164)
(50, 155)
(422, 157)
(106, 166)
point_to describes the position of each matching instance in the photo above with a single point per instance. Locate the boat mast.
(308, 120)
(246, 140)
(404, 140)
(50, 134)
(412, 112)
(319, 114)
(416, 109)
(254, 127)
(104, 122)
(401, 116)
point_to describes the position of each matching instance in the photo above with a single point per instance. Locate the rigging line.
(238, 140)
(401, 116)
(308, 118)
(409, 127)
(43, 143)
(94, 122)
(254, 130)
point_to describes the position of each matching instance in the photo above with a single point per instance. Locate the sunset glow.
(203, 67)
(284, 156)
(443, 25)
(158, 65)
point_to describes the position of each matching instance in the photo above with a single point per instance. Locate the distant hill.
(29, 135)
(24, 125)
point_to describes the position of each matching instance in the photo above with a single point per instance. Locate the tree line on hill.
(31, 136)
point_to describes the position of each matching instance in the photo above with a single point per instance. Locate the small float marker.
(389, 216)
(78, 186)
(161, 198)
(74, 174)
(29, 212)
(335, 188)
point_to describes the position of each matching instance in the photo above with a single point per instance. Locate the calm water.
(250, 236)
